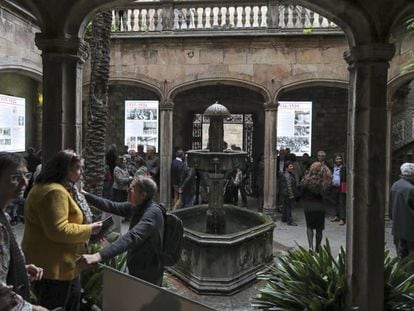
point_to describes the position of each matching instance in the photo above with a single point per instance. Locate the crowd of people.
(59, 221)
(317, 184)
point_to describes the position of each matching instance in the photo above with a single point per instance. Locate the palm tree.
(98, 103)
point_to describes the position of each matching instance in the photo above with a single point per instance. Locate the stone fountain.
(224, 246)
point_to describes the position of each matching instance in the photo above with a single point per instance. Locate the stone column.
(388, 159)
(368, 65)
(62, 93)
(166, 149)
(270, 136)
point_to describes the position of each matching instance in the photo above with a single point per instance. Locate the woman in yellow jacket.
(58, 223)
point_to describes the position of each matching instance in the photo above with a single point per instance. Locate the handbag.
(342, 187)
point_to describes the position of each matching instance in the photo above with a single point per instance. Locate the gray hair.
(407, 169)
(146, 184)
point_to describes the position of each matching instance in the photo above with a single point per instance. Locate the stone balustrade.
(152, 17)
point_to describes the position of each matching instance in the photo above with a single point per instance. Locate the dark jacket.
(288, 185)
(176, 170)
(143, 240)
(402, 209)
(187, 179)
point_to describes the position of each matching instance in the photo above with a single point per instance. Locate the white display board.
(141, 123)
(294, 126)
(123, 292)
(12, 123)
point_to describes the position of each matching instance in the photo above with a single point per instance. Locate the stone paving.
(284, 238)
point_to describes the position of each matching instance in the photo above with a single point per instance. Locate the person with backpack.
(144, 239)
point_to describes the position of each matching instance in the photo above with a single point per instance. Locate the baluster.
(286, 16)
(227, 24)
(273, 15)
(259, 16)
(311, 18)
(117, 21)
(219, 17)
(181, 19)
(211, 17)
(186, 18)
(193, 18)
(150, 17)
(252, 16)
(147, 20)
(206, 23)
(139, 21)
(231, 16)
(263, 12)
(124, 18)
(114, 26)
(132, 21)
(303, 17)
(320, 20)
(294, 16)
(156, 19)
(167, 17)
(198, 19)
(243, 17)
(176, 22)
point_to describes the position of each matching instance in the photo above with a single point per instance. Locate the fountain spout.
(216, 162)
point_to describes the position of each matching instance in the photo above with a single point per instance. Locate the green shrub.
(92, 279)
(306, 280)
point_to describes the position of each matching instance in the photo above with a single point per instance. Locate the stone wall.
(21, 86)
(329, 117)
(17, 45)
(118, 93)
(404, 54)
(270, 62)
(402, 131)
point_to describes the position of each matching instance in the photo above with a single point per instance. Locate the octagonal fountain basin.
(222, 264)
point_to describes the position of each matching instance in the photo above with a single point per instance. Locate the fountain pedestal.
(224, 246)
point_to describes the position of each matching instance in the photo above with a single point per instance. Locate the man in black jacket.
(143, 241)
(402, 212)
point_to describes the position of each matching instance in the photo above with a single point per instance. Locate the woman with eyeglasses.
(15, 275)
(58, 223)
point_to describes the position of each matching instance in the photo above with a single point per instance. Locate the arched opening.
(25, 85)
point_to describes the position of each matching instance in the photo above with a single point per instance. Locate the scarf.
(80, 200)
(16, 275)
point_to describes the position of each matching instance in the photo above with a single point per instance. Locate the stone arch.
(330, 100)
(219, 81)
(22, 70)
(133, 82)
(138, 83)
(394, 84)
(309, 83)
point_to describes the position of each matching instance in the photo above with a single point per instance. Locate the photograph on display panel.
(294, 126)
(141, 123)
(12, 123)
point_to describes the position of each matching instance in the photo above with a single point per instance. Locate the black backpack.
(172, 240)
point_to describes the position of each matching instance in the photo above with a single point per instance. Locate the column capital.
(270, 106)
(371, 53)
(166, 105)
(67, 47)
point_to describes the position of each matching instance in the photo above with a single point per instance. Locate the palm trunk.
(98, 103)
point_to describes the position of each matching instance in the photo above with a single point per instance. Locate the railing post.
(273, 14)
(167, 14)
